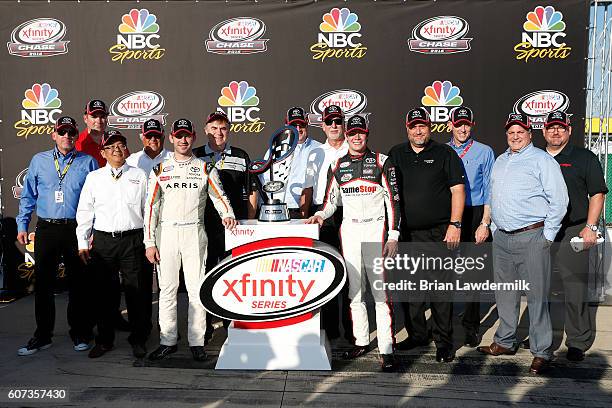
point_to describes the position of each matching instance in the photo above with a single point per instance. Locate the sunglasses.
(154, 135)
(337, 121)
(64, 132)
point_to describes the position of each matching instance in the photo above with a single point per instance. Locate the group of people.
(112, 214)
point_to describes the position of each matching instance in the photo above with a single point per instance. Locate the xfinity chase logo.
(273, 283)
(351, 102)
(18, 187)
(41, 37)
(131, 110)
(240, 35)
(544, 35)
(137, 38)
(440, 98)
(440, 35)
(537, 105)
(40, 111)
(339, 36)
(239, 101)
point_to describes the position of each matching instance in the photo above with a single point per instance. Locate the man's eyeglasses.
(154, 135)
(115, 147)
(337, 121)
(69, 133)
(559, 129)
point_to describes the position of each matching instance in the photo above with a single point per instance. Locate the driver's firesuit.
(364, 185)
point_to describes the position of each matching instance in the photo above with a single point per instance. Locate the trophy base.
(274, 211)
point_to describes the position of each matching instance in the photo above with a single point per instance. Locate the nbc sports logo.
(41, 105)
(137, 38)
(439, 99)
(239, 101)
(543, 36)
(339, 36)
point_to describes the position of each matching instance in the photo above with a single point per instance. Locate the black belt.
(527, 228)
(61, 221)
(119, 234)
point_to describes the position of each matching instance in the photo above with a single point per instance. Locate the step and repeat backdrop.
(255, 60)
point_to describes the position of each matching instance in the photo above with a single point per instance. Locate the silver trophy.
(278, 163)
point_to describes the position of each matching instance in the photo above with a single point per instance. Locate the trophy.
(278, 163)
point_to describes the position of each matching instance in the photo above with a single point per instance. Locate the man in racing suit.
(174, 214)
(364, 182)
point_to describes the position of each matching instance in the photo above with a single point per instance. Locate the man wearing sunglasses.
(111, 209)
(174, 234)
(52, 186)
(153, 152)
(313, 195)
(231, 163)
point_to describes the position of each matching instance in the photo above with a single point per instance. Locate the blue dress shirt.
(528, 187)
(42, 181)
(477, 164)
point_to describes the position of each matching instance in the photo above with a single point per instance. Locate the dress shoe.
(139, 350)
(574, 354)
(356, 351)
(444, 355)
(410, 343)
(162, 352)
(198, 353)
(388, 363)
(495, 350)
(99, 350)
(537, 365)
(471, 339)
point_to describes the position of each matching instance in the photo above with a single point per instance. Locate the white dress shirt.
(112, 200)
(318, 164)
(143, 161)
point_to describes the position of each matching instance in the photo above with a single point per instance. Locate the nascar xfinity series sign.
(275, 281)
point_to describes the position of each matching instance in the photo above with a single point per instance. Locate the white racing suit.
(365, 185)
(174, 223)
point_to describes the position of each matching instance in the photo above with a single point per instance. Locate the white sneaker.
(33, 346)
(82, 346)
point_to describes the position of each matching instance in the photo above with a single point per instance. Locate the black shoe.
(121, 324)
(34, 345)
(410, 343)
(198, 353)
(99, 350)
(574, 354)
(162, 352)
(139, 350)
(444, 355)
(356, 351)
(471, 339)
(388, 363)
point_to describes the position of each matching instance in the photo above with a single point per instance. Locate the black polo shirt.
(425, 180)
(237, 182)
(584, 178)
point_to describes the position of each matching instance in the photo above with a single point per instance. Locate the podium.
(294, 343)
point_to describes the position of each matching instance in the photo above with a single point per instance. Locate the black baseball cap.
(357, 124)
(112, 136)
(217, 115)
(557, 118)
(520, 119)
(332, 111)
(296, 115)
(462, 114)
(96, 105)
(182, 125)
(66, 122)
(152, 126)
(417, 115)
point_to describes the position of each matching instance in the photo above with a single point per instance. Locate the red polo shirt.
(86, 145)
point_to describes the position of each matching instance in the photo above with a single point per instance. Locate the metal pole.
(591, 79)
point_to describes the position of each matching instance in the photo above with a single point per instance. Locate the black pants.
(126, 254)
(441, 309)
(53, 243)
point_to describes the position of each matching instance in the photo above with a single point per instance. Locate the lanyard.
(467, 148)
(62, 174)
(116, 176)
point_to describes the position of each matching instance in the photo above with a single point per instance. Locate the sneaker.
(356, 351)
(139, 350)
(81, 345)
(99, 350)
(388, 363)
(34, 345)
(198, 353)
(162, 352)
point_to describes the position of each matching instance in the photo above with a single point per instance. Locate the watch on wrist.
(456, 224)
(592, 227)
